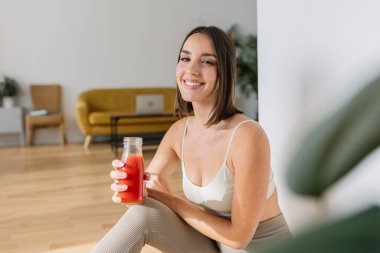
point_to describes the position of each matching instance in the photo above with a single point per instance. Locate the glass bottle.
(134, 167)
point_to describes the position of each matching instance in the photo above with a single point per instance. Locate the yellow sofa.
(96, 106)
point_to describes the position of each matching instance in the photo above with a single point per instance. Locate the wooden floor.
(56, 199)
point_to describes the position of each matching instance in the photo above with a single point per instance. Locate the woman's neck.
(202, 115)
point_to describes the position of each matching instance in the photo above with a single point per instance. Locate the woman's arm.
(166, 159)
(249, 159)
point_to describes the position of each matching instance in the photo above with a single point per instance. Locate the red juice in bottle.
(134, 167)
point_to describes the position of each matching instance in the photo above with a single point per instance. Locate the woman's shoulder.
(243, 121)
(247, 128)
(181, 122)
(178, 127)
(248, 142)
(173, 137)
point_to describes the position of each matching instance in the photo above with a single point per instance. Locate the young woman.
(231, 201)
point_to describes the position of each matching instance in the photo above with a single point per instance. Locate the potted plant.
(246, 63)
(246, 60)
(9, 89)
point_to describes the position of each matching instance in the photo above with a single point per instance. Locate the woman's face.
(197, 70)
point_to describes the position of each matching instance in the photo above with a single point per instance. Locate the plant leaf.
(359, 233)
(336, 146)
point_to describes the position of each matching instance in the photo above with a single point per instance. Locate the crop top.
(216, 197)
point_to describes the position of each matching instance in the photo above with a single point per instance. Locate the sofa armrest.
(82, 115)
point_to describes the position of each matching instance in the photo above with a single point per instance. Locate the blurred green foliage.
(9, 87)
(337, 145)
(246, 60)
(326, 155)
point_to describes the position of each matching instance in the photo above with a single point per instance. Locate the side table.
(12, 122)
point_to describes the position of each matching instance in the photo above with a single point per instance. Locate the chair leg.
(29, 132)
(27, 136)
(87, 141)
(63, 137)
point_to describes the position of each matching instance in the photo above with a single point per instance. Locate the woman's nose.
(192, 68)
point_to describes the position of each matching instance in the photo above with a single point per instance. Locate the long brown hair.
(226, 76)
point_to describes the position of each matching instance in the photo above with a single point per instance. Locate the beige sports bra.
(216, 197)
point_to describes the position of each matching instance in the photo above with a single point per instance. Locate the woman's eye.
(208, 62)
(184, 59)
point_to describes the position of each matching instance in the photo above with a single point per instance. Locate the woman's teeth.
(193, 84)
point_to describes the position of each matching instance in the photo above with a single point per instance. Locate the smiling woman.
(230, 202)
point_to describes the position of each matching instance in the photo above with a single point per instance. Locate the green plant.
(9, 87)
(330, 152)
(246, 60)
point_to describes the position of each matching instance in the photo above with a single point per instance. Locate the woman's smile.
(192, 84)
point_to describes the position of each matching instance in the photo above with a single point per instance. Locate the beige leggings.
(155, 224)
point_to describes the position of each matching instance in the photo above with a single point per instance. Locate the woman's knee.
(135, 228)
(147, 213)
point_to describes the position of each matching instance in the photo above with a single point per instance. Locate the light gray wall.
(313, 56)
(85, 44)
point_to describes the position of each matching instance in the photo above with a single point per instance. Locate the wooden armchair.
(47, 98)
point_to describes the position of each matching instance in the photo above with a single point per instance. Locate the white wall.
(313, 56)
(84, 44)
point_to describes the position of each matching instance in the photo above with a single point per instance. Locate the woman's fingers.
(118, 188)
(117, 164)
(150, 180)
(147, 176)
(116, 198)
(115, 174)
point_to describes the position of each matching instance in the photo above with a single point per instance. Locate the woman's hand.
(117, 175)
(157, 186)
(157, 183)
(159, 189)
